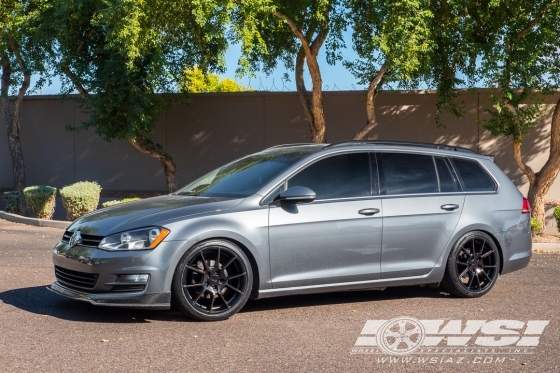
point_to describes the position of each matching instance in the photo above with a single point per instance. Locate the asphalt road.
(43, 332)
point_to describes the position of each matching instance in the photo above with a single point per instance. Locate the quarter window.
(407, 173)
(472, 176)
(340, 176)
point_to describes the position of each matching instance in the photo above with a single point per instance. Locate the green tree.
(293, 32)
(21, 55)
(196, 81)
(393, 40)
(120, 55)
(519, 50)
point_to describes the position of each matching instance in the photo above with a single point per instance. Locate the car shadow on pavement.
(357, 296)
(40, 301)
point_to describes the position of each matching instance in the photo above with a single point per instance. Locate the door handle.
(449, 207)
(368, 211)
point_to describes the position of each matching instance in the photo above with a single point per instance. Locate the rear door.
(422, 203)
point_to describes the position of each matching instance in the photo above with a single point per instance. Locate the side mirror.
(297, 194)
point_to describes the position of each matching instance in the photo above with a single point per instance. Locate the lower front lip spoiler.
(161, 301)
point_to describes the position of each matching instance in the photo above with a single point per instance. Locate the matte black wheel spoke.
(218, 259)
(191, 285)
(204, 262)
(486, 254)
(482, 248)
(464, 273)
(489, 266)
(464, 251)
(211, 305)
(473, 247)
(198, 296)
(229, 262)
(485, 275)
(196, 270)
(462, 263)
(236, 276)
(224, 300)
(477, 279)
(234, 289)
(471, 281)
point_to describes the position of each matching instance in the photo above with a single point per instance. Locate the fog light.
(134, 278)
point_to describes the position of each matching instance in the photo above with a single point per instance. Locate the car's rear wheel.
(473, 266)
(213, 281)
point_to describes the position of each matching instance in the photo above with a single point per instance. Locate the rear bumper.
(159, 301)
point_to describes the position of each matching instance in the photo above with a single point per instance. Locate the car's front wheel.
(213, 281)
(473, 266)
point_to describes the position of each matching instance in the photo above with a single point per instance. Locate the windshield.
(246, 176)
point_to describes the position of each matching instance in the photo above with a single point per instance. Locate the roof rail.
(296, 144)
(401, 143)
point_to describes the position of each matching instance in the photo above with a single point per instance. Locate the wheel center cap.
(214, 279)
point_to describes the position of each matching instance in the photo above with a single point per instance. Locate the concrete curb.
(546, 247)
(36, 222)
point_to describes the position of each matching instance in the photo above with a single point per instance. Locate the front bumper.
(92, 275)
(160, 301)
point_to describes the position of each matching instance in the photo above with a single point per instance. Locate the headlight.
(140, 239)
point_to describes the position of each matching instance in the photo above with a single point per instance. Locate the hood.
(148, 212)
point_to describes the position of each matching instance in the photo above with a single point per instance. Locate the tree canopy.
(119, 54)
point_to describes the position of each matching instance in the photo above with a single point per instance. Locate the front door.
(337, 237)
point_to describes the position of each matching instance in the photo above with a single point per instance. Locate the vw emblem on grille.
(76, 239)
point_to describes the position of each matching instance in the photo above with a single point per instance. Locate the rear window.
(472, 176)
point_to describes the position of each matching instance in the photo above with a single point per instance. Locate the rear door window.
(403, 173)
(472, 176)
(446, 179)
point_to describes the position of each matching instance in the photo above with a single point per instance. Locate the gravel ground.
(43, 332)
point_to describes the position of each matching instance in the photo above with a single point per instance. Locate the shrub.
(536, 226)
(557, 217)
(80, 198)
(12, 201)
(40, 200)
(117, 202)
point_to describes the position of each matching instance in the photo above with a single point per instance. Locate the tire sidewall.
(177, 289)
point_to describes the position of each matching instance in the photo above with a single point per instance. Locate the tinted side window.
(407, 173)
(472, 176)
(340, 176)
(446, 180)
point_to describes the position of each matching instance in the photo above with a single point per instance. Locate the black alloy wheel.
(473, 266)
(213, 281)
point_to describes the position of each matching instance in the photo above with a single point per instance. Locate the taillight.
(526, 209)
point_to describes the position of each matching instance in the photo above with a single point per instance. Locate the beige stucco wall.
(216, 128)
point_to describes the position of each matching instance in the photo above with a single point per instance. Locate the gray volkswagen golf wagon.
(300, 219)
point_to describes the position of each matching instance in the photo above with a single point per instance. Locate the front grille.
(76, 279)
(87, 239)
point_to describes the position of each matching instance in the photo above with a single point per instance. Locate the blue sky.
(334, 77)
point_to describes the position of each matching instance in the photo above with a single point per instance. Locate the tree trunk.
(312, 103)
(12, 126)
(146, 146)
(372, 92)
(540, 182)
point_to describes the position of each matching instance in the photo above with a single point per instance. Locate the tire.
(212, 281)
(473, 266)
